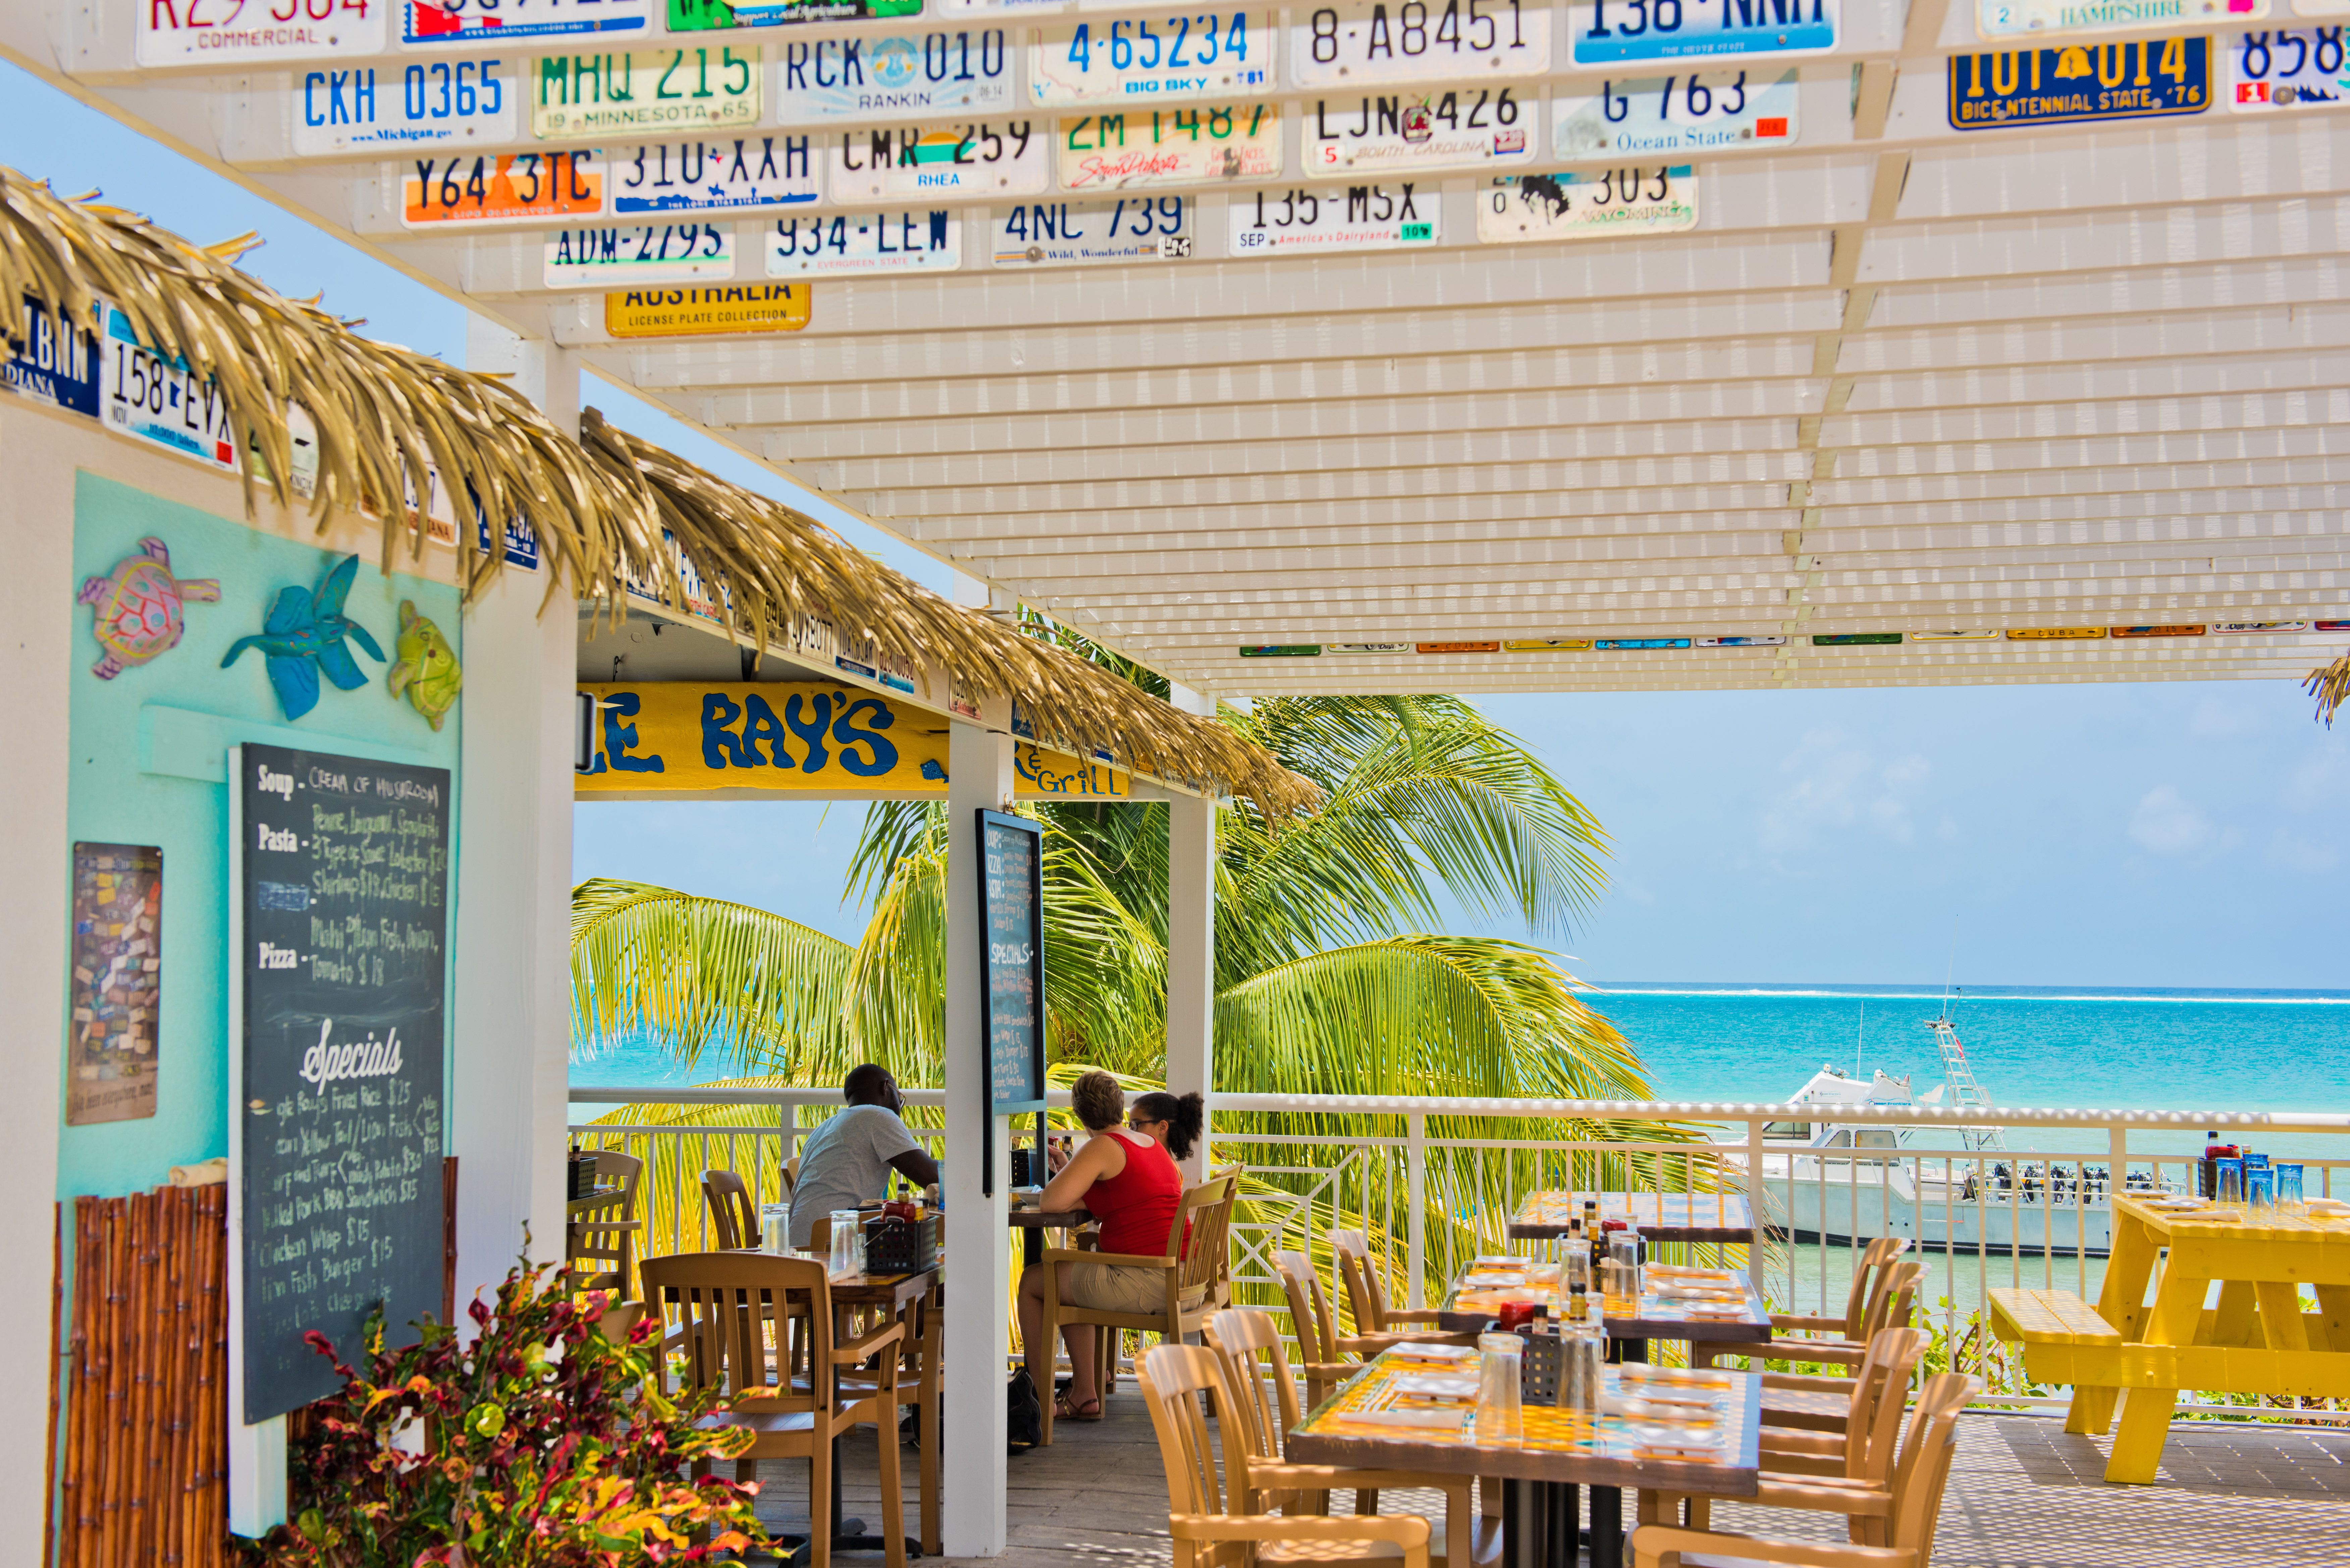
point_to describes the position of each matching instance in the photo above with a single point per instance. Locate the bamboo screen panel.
(145, 1458)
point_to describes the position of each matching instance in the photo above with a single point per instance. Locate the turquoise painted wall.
(137, 739)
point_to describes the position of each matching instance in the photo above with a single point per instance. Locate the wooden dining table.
(1658, 1314)
(1032, 1223)
(1723, 1217)
(1718, 1455)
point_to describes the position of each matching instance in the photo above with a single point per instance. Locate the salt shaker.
(1499, 1414)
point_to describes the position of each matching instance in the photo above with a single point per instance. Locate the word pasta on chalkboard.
(344, 967)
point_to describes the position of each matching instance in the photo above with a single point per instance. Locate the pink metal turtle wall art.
(137, 608)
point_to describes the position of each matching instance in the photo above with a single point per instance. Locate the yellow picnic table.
(2256, 1340)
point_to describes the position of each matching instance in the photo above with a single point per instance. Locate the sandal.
(1068, 1409)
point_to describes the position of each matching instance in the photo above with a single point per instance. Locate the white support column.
(1191, 944)
(511, 1021)
(36, 593)
(977, 1331)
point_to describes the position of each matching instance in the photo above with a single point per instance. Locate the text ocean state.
(345, 912)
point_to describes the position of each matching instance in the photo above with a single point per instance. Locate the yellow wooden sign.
(816, 737)
(707, 312)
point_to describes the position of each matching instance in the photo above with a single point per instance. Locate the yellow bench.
(2048, 1317)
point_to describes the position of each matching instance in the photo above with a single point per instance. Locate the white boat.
(1847, 1183)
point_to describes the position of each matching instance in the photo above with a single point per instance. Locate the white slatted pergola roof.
(1897, 378)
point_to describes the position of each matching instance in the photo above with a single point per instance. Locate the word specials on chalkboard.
(345, 973)
(118, 982)
(1011, 924)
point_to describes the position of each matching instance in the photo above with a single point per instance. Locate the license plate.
(476, 21)
(1603, 32)
(1628, 644)
(433, 104)
(967, 71)
(658, 91)
(1473, 128)
(716, 175)
(1169, 146)
(819, 247)
(1657, 199)
(701, 15)
(1368, 42)
(233, 33)
(653, 253)
(2139, 79)
(996, 8)
(500, 188)
(1214, 53)
(1335, 218)
(999, 158)
(1090, 233)
(2288, 68)
(152, 400)
(2009, 18)
(1741, 642)
(1693, 113)
(54, 360)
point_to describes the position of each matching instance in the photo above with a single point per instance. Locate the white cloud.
(1839, 784)
(2165, 823)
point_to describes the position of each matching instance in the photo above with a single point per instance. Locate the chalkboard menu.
(1012, 926)
(343, 967)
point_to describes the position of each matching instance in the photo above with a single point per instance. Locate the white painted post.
(978, 1235)
(1191, 947)
(37, 595)
(1416, 1220)
(510, 1017)
(1755, 1210)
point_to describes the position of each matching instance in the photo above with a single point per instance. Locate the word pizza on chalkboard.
(344, 970)
(1011, 925)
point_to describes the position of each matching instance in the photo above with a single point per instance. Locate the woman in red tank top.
(1129, 1183)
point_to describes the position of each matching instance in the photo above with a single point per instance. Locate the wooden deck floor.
(2023, 1495)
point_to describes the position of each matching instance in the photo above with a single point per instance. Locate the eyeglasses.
(1145, 1122)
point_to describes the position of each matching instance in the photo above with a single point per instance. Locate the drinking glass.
(2259, 1189)
(1575, 1271)
(775, 1228)
(2228, 1182)
(848, 1243)
(1584, 1353)
(2291, 1197)
(1500, 1414)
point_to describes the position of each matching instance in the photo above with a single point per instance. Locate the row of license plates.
(1353, 42)
(965, 73)
(1140, 226)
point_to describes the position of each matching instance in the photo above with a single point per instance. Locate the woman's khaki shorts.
(1106, 1287)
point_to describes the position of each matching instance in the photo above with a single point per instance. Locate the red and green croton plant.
(544, 1445)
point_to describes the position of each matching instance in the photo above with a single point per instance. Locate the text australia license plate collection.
(694, 141)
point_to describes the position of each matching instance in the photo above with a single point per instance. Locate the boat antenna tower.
(1960, 1077)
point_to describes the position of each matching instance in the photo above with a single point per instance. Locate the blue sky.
(2164, 834)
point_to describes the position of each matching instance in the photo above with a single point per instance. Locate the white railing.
(1431, 1178)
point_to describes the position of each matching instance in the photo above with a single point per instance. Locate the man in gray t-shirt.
(849, 1159)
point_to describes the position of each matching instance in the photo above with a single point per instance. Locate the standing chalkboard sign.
(341, 968)
(1012, 931)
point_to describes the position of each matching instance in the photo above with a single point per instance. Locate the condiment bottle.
(1578, 1303)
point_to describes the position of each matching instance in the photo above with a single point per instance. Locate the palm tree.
(1326, 973)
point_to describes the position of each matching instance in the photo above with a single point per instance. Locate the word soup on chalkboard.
(344, 970)
(1011, 907)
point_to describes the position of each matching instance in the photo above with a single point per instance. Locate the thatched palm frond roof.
(382, 412)
(604, 512)
(2331, 687)
(780, 566)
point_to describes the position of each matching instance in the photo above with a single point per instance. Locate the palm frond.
(2331, 687)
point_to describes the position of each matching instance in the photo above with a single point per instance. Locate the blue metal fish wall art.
(303, 635)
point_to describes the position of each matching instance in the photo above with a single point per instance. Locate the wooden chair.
(1367, 1294)
(1892, 1525)
(1864, 1312)
(1888, 1308)
(1863, 1451)
(600, 1243)
(726, 1305)
(1256, 1433)
(1324, 1366)
(1190, 1272)
(1211, 1532)
(733, 1218)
